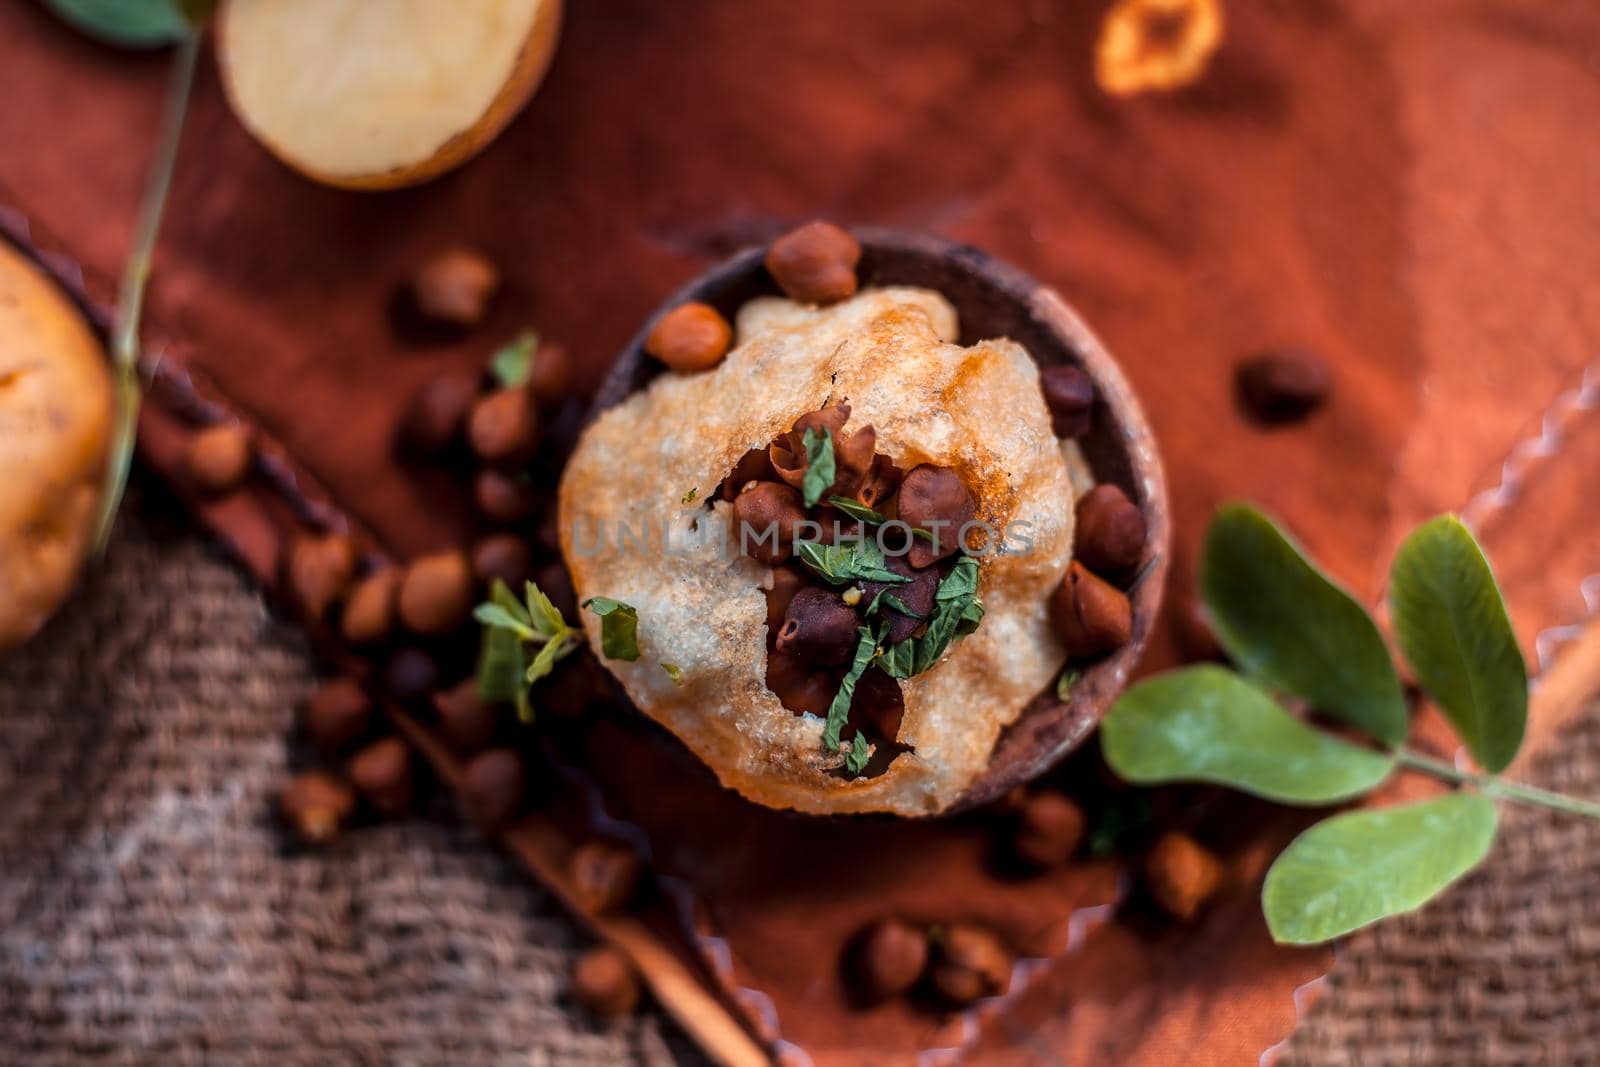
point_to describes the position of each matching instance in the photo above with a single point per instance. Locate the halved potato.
(55, 421)
(377, 94)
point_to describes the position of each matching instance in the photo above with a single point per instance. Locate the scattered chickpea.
(455, 287)
(220, 457)
(815, 264)
(690, 338)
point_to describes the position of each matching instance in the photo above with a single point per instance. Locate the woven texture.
(150, 911)
(1505, 969)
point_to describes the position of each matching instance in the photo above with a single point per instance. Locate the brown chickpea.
(888, 959)
(970, 964)
(815, 264)
(819, 627)
(604, 982)
(1183, 876)
(798, 685)
(220, 457)
(786, 582)
(493, 787)
(1091, 616)
(368, 617)
(381, 773)
(316, 805)
(436, 593)
(437, 414)
(1049, 830)
(337, 715)
(455, 286)
(319, 572)
(935, 499)
(690, 338)
(504, 557)
(501, 497)
(1069, 394)
(466, 722)
(503, 426)
(1110, 531)
(766, 515)
(917, 594)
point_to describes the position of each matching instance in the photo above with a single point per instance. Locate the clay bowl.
(993, 300)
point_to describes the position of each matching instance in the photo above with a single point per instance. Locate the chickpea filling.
(864, 588)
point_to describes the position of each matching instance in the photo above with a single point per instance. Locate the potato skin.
(55, 424)
(532, 63)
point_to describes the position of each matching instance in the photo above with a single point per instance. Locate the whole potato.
(55, 420)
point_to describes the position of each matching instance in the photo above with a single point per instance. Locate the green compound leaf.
(512, 365)
(1357, 868)
(129, 23)
(1285, 623)
(1452, 626)
(502, 666)
(1206, 724)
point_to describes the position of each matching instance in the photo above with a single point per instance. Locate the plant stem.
(1499, 787)
(130, 298)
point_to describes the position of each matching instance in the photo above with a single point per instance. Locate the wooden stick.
(721, 1035)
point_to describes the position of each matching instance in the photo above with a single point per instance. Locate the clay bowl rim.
(992, 299)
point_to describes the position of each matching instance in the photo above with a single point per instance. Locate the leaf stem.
(130, 297)
(1498, 787)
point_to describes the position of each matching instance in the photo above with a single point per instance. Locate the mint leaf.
(855, 761)
(1357, 868)
(1452, 626)
(848, 561)
(673, 672)
(688, 498)
(857, 510)
(1207, 724)
(129, 23)
(839, 710)
(1285, 623)
(512, 366)
(956, 612)
(619, 627)
(820, 468)
(892, 601)
(1069, 678)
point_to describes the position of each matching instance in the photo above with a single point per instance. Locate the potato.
(377, 95)
(55, 425)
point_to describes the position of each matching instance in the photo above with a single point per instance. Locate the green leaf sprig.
(522, 643)
(512, 365)
(140, 22)
(1292, 631)
(129, 23)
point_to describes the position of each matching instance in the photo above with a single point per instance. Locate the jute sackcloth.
(151, 909)
(152, 912)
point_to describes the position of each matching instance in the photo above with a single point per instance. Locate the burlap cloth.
(151, 912)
